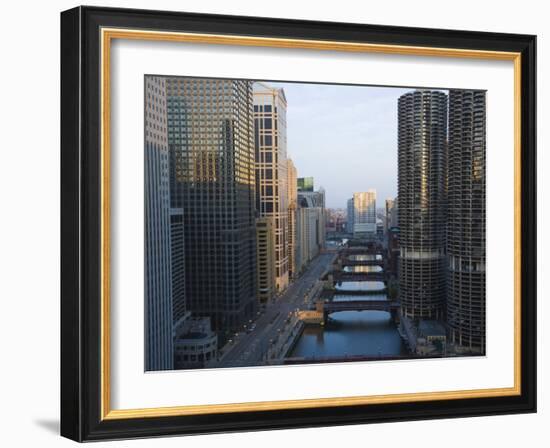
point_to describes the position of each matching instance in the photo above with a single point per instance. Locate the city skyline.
(351, 121)
(248, 264)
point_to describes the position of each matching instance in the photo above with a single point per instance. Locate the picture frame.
(86, 37)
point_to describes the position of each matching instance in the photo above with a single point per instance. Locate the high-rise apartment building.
(466, 219)
(364, 213)
(292, 206)
(422, 134)
(158, 276)
(271, 170)
(305, 183)
(211, 140)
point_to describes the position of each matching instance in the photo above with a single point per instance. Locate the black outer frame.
(81, 208)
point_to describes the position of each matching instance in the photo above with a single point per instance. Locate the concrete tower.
(422, 134)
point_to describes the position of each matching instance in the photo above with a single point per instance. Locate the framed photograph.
(272, 223)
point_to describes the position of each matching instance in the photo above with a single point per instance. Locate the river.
(351, 333)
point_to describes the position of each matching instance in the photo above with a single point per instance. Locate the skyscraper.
(466, 219)
(422, 133)
(211, 138)
(364, 213)
(158, 275)
(292, 206)
(271, 170)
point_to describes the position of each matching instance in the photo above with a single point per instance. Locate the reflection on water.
(368, 333)
(355, 297)
(362, 269)
(365, 257)
(360, 286)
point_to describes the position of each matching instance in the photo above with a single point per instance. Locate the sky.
(345, 137)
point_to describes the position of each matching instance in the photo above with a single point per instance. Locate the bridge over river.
(328, 307)
(354, 276)
(353, 318)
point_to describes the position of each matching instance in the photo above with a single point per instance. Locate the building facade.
(350, 218)
(271, 170)
(211, 142)
(292, 206)
(394, 214)
(177, 245)
(364, 213)
(422, 134)
(310, 226)
(265, 256)
(197, 345)
(466, 219)
(158, 275)
(307, 235)
(390, 203)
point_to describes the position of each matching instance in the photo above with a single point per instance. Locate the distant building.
(364, 213)
(350, 217)
(265, 255)
(211, 141)
(466, 219)
(393, 250)
(390, 204)
(271, 170)
(292, 207)
(158, 275)
(310, 226)
(333, 219)
(305, 184)
(312, 198)
(422, 125)
(308, 238)
(394, 214)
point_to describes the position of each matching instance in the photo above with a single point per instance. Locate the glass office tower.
(158, 274)
(211, 140)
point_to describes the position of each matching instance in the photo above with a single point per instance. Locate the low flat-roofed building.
(432, 337)
(197, 344)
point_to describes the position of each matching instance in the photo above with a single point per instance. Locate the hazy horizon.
(345, 137)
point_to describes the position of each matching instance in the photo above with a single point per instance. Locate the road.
(249, 349)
